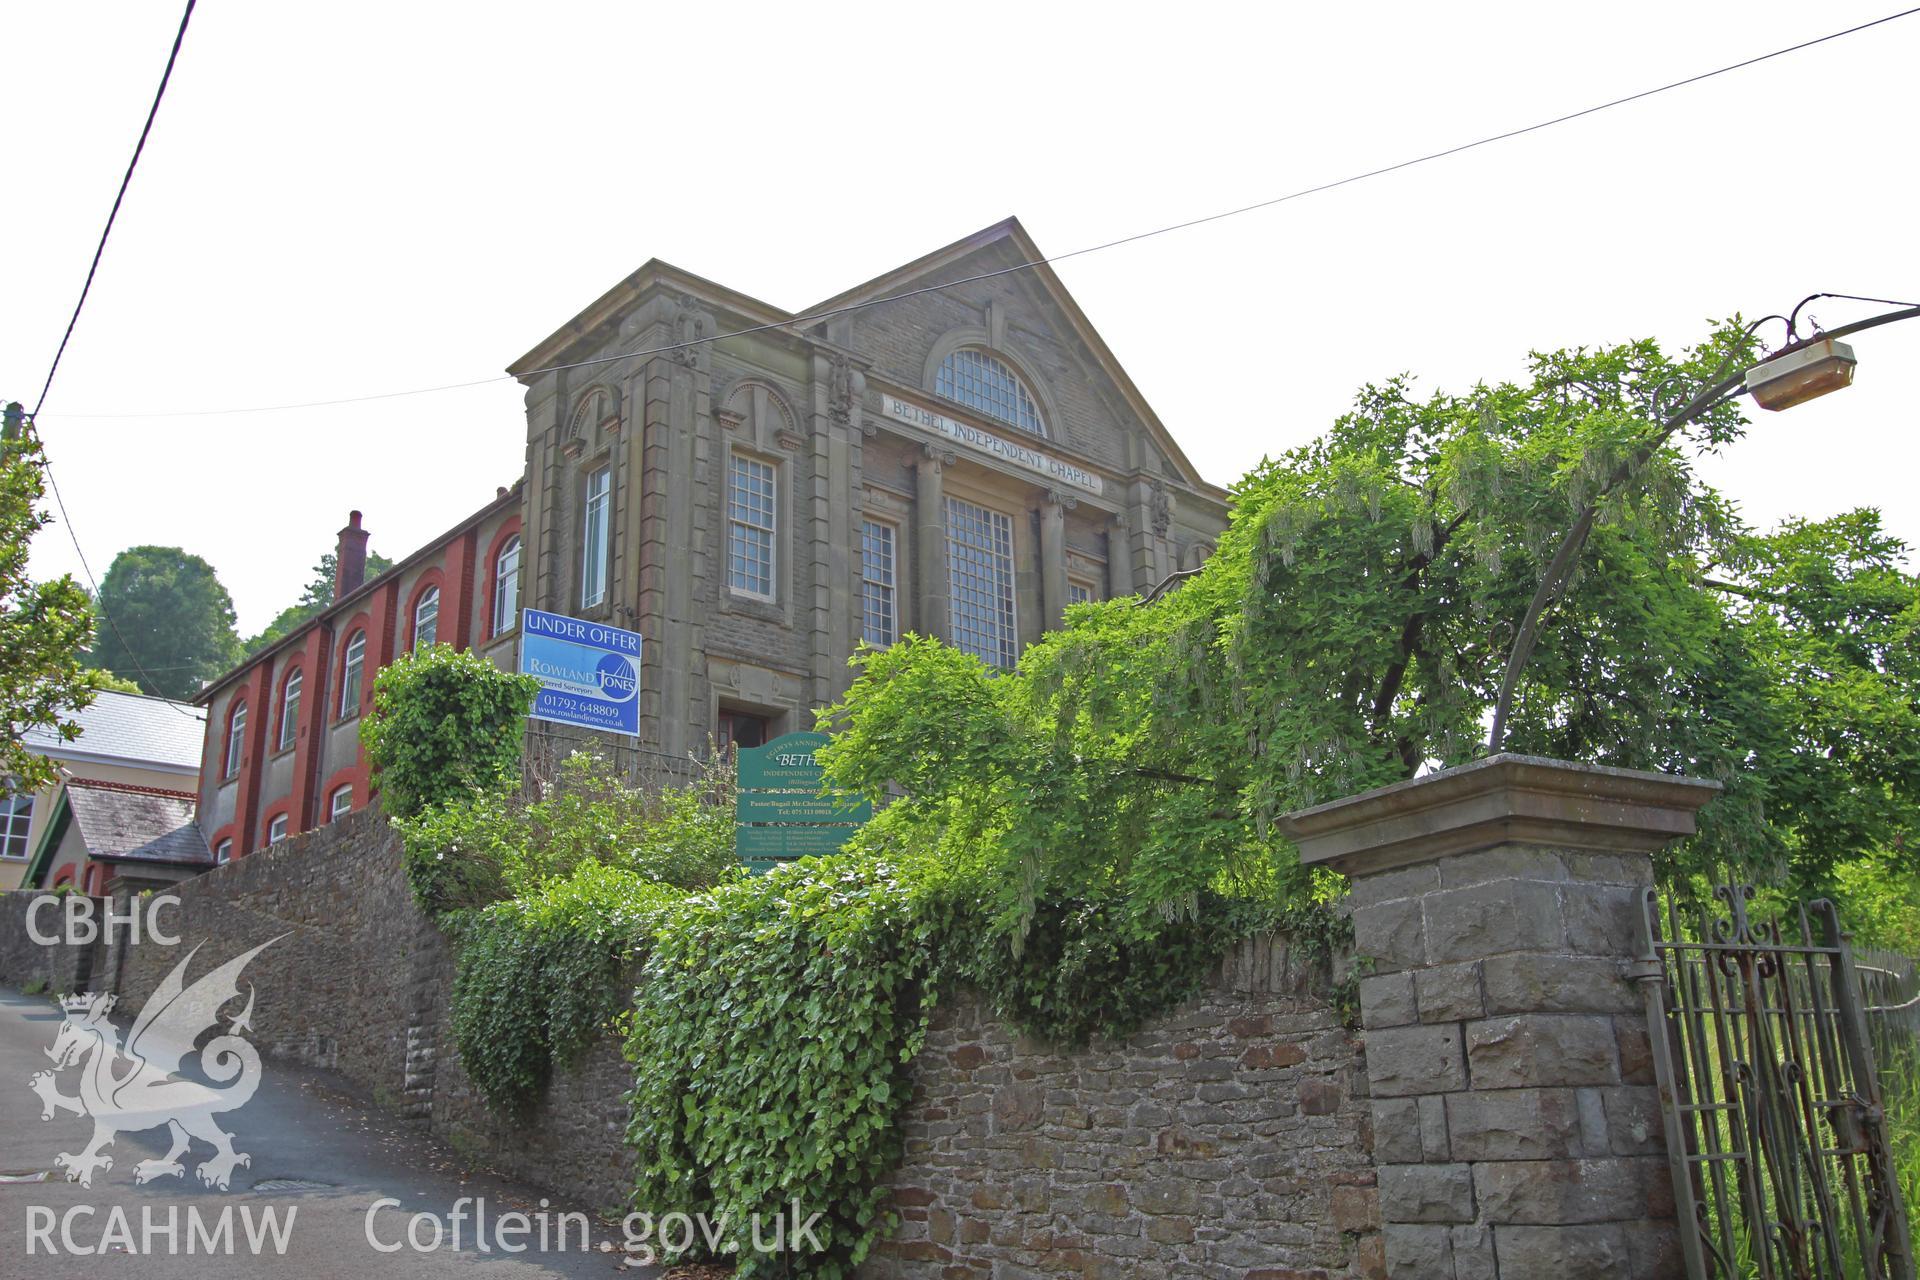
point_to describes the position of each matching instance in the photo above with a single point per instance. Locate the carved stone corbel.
(690, 326)
(840, 391)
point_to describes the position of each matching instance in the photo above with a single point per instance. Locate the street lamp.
(1798, 375)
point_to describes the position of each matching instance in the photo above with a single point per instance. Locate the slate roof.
(129, 727)
(137, 824)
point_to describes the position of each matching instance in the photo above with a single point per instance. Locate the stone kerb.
(1517, 1129)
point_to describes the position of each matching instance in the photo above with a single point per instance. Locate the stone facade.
(1517, 1128)
(845, 412)
(848, 420)
(1229, 1139)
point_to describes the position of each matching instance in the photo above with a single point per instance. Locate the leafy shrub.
(446, 724)
(484, 846)
(540, 976)
(680, 835)
(771, 1035)
(458, 855)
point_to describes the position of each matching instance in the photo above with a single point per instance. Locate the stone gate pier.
(1517, 1127)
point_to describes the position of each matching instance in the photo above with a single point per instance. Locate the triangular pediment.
(996, 284)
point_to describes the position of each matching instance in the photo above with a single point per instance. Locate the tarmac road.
(301, 1125)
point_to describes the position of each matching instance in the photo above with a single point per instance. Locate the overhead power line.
(114, 212)
(93, 269)
(816, 316)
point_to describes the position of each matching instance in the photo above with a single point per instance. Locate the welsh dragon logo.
(140, 1086)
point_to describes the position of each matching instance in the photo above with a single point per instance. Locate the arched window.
(981, 381)
(506, 586)
(352, 667)
(236, 739)
(426, 618)
(289, 710)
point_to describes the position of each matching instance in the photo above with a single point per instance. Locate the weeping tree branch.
(1561, 566)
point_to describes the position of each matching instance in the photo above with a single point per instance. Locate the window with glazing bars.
(351, 669)
(594, 530)
(16, 817)
(1078, 592)
(750, 525)
(980, 381)
(290, 710)
(879, 604)
(980, 582)
(506, 587)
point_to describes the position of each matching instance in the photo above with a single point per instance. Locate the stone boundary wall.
(1231, 1139)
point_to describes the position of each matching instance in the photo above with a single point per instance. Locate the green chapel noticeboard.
(779, 811)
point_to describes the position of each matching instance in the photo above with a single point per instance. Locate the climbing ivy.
(771, 1034)
(540, 977)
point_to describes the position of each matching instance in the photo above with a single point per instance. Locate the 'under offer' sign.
(780, 811)
(589, 672)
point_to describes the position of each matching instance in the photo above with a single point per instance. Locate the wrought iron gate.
(1776, 1129)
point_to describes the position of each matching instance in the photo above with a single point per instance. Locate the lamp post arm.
(1841, 331)
(1561, 566)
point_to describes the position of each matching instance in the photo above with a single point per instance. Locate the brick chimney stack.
(350, 558)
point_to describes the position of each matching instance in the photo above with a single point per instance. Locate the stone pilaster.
(930, 532)
(1053, 556)
(1119, 560)
(1517, 1129)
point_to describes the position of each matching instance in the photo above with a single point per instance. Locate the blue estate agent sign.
(589, 672)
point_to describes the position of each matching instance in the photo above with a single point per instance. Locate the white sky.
(355, 198)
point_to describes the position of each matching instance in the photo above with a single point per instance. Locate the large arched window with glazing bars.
(983, 381)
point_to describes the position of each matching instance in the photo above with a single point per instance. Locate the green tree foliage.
(313, 600)
(44, 626)
(446, 725)
(165, 621)
(1352, 628)
(1829, 621)
(108, 680)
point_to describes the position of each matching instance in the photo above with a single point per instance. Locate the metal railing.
(1776, 1127)
(643, 768)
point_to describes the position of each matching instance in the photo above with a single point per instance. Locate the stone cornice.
(1503, 799)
